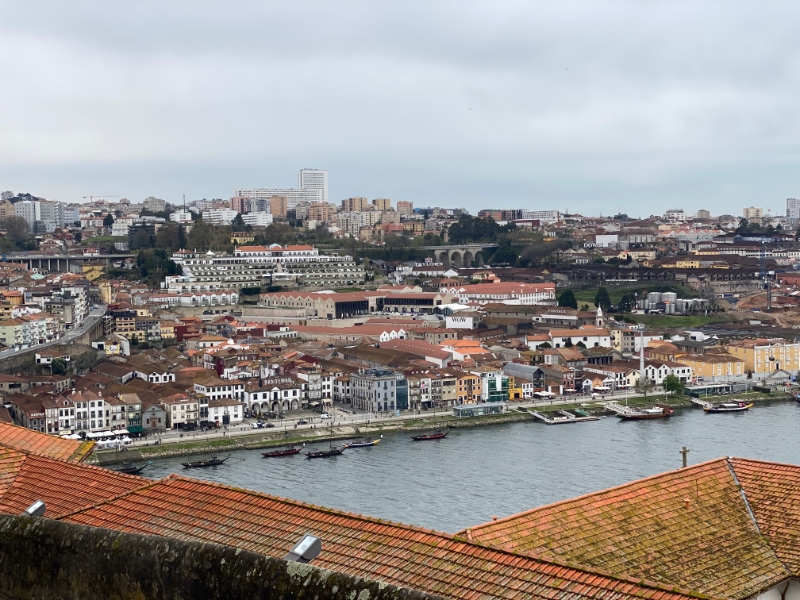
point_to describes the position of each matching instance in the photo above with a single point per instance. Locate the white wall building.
(314, 179)
(219, 216)
(257, 219)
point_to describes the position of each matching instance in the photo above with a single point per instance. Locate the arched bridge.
(458, 256)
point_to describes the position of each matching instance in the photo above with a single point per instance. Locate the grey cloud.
(572, 104)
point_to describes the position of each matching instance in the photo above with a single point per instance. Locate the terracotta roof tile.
(62, 486)
(433, 562)
(773, 492)
(33, 442)
(689, 528)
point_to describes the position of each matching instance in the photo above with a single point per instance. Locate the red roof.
(691, 528)
(33, 442)
(402, 555)
(62, 486)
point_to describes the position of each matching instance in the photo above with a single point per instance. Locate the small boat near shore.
(437, 434)
(330, 452)
(132, 469)
(730, 406)
(364, 443)
(659, 411)
(209, 462)
(280, 452)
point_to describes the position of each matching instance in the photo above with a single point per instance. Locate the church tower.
(599, 321)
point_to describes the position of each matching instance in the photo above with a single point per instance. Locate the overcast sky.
(595, 107)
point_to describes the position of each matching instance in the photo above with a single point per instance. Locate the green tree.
(584, 307)
(627, 303)
(602, 299)
(78, 237)
(567, 299)
(58, 366)
(672, 383)
(140, 239)
(109, 220)
(238, 223)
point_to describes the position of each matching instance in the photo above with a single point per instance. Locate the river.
(500, 470)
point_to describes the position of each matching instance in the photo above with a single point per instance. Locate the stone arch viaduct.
(465, 255)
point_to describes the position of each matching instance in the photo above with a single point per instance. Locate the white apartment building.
(505, 292)
(374, 390)
(545, 216)
(793, 208)
(52, 215)
(30, 210)
(314, 179)
(352, 222)
(293, 196)
(260, 265)
(181, 216)
(219, 216)
(675, 214)
(257, 219)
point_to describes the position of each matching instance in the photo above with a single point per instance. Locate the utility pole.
(685, 453)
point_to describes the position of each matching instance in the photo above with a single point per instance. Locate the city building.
(375, 390)
(675, 214)
(253, 266)
(793, 208)
(382, 204)
(703, 214)
(314, 179)
(764, 357)
(751, 213)
(155, 204)
(278, 206)
(219, 216)
(405, 207)
(355, 204)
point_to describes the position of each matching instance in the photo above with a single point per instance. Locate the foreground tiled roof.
(33, 442)
(420, 559)
(62, 486)
(690, 528)
(773, 493)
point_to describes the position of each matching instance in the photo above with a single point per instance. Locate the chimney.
(687, 503)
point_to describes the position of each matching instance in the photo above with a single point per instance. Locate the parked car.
(302, 422)
(325, 416)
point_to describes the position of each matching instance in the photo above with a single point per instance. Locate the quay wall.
(41, 558)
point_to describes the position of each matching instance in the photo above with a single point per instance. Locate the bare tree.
(17, 228)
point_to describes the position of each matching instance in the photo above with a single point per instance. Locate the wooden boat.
(332, 451)
(131, 469)
(437, 434)
(365, 443)
(796, 396)
(288, 451)
(209, 462)
(731, 406)
(659, 411)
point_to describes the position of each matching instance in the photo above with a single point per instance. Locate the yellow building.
(106, 293)
(469, 388)
(714, 364)
(242, 238)
(763, 356)
(167, 330)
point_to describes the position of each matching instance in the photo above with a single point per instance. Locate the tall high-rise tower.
(314, 179)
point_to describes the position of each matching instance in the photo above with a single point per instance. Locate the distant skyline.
(619, 106)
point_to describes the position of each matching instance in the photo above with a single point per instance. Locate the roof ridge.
(751, 514)
(591, 494)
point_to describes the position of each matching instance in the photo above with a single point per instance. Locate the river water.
(500, 470)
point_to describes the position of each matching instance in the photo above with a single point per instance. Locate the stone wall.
(41, 558)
